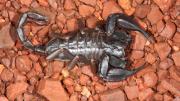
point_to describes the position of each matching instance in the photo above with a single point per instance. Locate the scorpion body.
(107, 47)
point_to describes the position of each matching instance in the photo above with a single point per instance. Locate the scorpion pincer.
(105, 46)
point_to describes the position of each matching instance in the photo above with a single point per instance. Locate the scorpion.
(105, 45)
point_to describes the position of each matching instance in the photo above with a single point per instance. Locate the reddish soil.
(27, 76)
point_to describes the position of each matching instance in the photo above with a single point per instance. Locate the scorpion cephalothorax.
(106, 47)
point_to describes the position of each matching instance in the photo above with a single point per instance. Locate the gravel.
(27, 76)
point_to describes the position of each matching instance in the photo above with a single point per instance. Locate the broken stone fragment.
(113, 95)
(6, 39)
(169, 30)
(146, 94)
(131, 92)
(52, 90)
(154, 15)
(176, 58)
(110, 7)
(172, 86)
(163, 50)
(16, 89)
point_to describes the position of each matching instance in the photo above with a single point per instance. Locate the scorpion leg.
(64, 55)
(117, 74)
(77, 60)
(39, 19)
(60, 54)
(126, 22)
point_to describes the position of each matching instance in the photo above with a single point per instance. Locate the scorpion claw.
(126, 22)
(117, 74)
(110, 73)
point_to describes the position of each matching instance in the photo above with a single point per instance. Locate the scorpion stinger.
(125, 22)
(37, 18)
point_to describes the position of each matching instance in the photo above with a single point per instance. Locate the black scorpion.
(105, 46)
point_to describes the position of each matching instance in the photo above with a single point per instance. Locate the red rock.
(43, 32)
(28, 97)
(164, 5)
(6, 62)
(69, 5)
(2, 98)
(91, 22)
(26, 2)
(85, 10)
(87, 70)
(52, 90)
(168, 97)
(72, 24)
(113, 85)
(139, 42)
(166, 63)
(146, 70)
(61, 17)
(78, 88)
(126, 6)
(74, 97)
(12, 16)
(176, 98)
(161, 89)
(158, 97)
(176, 58)
(172, 86)
(43, 2)
(176, 37)
(150, 79)
(131, 92)
(6, 75)
(113, 95)
(137, 54)
(160, 26)
(146, 94)
(154, 15)
(53, 3)
(33, 57)
(114, 9)
(150, 58)
(6, 41)
(70, 89)
(23, 63)
(169, 30)
(68, 81)
(174, 73)
(89, 2)
(99, 88)
(142, 10)
(162, 74)
(57, 66)
(163, 50)
(37, 68)
(84, 79)
(16, 89)
(86, 92)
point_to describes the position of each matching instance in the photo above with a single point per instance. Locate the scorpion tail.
(37, 18)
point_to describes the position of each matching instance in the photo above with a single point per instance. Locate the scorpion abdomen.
(87, 43)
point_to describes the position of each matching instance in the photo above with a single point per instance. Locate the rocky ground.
(26, 76)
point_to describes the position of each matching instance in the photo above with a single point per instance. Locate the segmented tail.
(37, 18)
